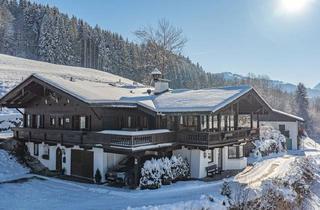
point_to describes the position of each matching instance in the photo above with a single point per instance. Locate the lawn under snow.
(9, 168)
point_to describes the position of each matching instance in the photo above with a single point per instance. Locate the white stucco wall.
(51, 163)
(102, 160)
(198, 161)
(292, 127)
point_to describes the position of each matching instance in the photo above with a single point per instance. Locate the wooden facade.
(56, 117)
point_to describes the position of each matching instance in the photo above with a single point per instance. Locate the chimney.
(160, 85)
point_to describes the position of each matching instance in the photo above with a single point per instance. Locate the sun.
(294, 6)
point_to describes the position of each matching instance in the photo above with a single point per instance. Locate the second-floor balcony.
(212, 139)
(120, 139)
(117, 139)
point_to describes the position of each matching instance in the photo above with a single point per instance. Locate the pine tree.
(302, 105)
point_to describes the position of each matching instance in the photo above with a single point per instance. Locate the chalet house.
(80, 125)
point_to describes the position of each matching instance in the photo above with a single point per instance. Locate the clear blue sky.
(269, 37)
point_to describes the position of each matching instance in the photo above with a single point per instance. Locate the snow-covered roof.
(198, 100)
(180, 100)
(156, 71)
(288, 115)
(100, 88)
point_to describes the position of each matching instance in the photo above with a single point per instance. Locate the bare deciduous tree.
(164, 42)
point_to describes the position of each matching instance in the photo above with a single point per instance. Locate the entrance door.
(82, 163)
(58, 160)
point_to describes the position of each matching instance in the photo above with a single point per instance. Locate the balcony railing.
(70, 137)
(208, 139)
(192, 138)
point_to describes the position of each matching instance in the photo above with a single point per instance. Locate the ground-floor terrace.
(80, 154)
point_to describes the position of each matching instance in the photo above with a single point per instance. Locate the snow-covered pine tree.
(166, 170)
(151, 174)
(302, 106)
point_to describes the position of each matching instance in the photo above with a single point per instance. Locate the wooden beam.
(19, 111)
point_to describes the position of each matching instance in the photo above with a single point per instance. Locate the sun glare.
(294, 6)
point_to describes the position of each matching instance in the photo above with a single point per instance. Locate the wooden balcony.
(127, 140)
(86, 138)
(212, 139)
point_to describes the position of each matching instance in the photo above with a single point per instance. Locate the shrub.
(180, 168)
(226, 190)
(151, 175)
(167, 176)
(163, 171)
(98, 176)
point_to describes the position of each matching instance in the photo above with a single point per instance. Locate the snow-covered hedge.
(156, 172)
(271, 141)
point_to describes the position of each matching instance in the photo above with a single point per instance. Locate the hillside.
(286, 87)
(39, 32)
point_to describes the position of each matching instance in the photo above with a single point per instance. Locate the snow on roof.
(102, 88)
(288, 115)
(180, 100)
(198, 100)
(134, 133)
(92, 91)
(156, 71)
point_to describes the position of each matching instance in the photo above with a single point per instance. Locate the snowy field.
(51, 193)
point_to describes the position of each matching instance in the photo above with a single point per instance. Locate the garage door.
(82, 163)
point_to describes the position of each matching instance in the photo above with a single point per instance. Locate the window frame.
(211, 152)
(36, 149)
(239, 153)
(83, 122)
(46, 152)
(52, 121)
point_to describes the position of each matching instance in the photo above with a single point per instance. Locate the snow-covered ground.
(51, 193)
(10, 169)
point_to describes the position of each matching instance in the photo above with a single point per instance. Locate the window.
(223, 122)
(52, 121)
(83, 122)
(60, 121)
(129, 121)
(36, 149)
(38, 119)
(46, 152)
(215, 122)
(235, 152)
(244, 121)
(67, 120)
(28, 120)
(232, 152)
(210, 155)
(282, 128)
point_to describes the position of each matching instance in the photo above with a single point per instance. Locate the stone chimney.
(160, 85)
